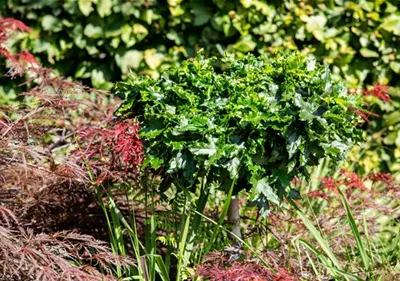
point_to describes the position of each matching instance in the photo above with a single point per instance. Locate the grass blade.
(238, 238)
(221, 218)
(317, 235)
(182, 257)
(360, 245)
(161, 268)
(331, 269)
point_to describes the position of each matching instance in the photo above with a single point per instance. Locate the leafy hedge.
(100, 40)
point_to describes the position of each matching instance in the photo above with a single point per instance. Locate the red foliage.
(236, 272)
(216, 267)
(364, 114)
(295, 182)
(350, 181)
(27, 256)
(329, 184)
(385, 178)
(8, 27)
(111, 150)
(42, 181)
(379, 91)
(28, 58)
(65, 106)
(318, 193)
(5, 53)
(283, 275)
(10, 24)
(127, 143)
(242, 271)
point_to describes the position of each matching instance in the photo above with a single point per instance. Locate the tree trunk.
(234, 216)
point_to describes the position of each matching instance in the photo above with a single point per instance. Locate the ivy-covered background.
(100, 41)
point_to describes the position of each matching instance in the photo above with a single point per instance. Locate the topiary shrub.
(254, 126)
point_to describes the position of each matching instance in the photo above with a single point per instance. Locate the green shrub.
(256, 125)
(100, 40)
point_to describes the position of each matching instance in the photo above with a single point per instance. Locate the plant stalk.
(234, 216)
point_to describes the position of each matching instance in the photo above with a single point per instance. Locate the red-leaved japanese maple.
(43, 181)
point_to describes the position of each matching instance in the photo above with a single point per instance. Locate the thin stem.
(234, 216)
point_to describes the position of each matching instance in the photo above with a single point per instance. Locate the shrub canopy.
(260, 122)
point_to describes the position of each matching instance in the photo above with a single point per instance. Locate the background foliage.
(381, 150)
(106, 38)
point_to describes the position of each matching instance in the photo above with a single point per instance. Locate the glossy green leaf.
(131, 59)
(367, 53)
(93, 31)
(104, 7)
(392, 23)
(86, 6)
(49, 22)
